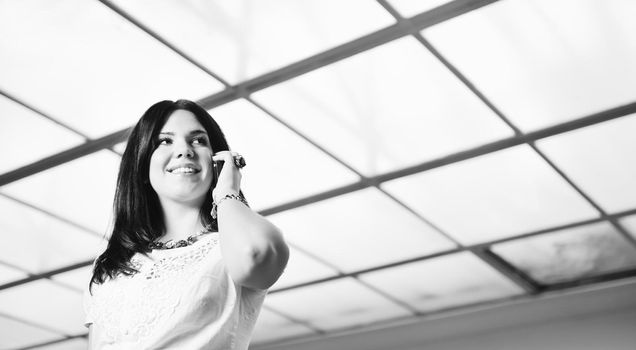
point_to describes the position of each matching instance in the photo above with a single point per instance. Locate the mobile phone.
(217, 165)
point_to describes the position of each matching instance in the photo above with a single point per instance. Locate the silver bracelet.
(215, 205)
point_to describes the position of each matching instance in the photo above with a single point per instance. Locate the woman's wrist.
(217, 195)
(220, 199)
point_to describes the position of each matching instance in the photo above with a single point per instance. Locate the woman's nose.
(184, 151)
(188, 153)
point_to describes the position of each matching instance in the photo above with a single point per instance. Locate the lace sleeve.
(87, 301)
(88, 309)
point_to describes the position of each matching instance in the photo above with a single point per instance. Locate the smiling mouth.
(183, 170)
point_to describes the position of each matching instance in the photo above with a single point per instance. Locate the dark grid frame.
(403, 27)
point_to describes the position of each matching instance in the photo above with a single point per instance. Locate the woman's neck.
(181, 220)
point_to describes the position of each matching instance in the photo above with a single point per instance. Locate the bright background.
(424, 158)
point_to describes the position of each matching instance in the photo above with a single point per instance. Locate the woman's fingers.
(229, 156)
(224, 156)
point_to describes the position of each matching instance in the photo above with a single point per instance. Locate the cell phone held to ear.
(217, 165)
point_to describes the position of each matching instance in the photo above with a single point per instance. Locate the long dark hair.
(137, 215)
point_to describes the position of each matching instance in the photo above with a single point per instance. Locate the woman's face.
(180, 167)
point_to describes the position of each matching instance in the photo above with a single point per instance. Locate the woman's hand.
(229, 181)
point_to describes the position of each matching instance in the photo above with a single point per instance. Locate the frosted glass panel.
(336, 304)
(545, 62)
(281, 165)
(51, 243)
(7, 273)
(81, 190)
(444, 282)
(271, 326)
(35, 136)
(96, 71)
(77, 278)
(120, 147)
(359, 230)
(72, 344)
(379, 116)
(493, 196)
(246, 38)
(302, 268)
(410, 8)
(43, 302)
(570, 254)
(17, 334)
(600, 160)
(630, 224)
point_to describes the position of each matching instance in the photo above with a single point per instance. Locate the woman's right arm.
(91, 338)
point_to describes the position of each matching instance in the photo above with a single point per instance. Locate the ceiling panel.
(8, 273)
(77, 278)
(386, 108)
(80, 191)
(493, 196)
(43, 302)
(359, 230)
(52, 243)
(545, 62)
(302, 268)
(281, 165)
(244, 38)
(571, 254)
(271, 326)
(341, 303)
(599, 159)
(72, 344)
(410, 8)
(444, 282)
(35, 136)
(110, 72)
(16, 334)
(629, 223)
(120, 147)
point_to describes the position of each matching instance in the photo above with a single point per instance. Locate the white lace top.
(182, 298)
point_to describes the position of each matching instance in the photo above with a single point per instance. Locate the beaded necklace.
(171, 244)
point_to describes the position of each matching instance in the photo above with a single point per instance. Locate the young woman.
(188, 263)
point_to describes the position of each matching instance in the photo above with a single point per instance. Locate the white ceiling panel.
(390, 107)
(77, 278)
(120, 147)
(341, 303)
(281, 166)
(33, 135)
(359, 230)
(493, 196)
(271, 326)
(570, 254)
(302, 268)
(95, 72)
(72, 344)
(16, 334)
(245, 38)
(43, 302)
(600, 160)
(629, 223)
(52, 243)
(8, 273)
(443, 282)
(410, 8)
(81, 190)
(545, 62)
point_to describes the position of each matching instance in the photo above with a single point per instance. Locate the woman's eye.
(165, 141)
(199, 140)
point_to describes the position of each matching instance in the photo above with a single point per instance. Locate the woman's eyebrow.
(193, 132)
